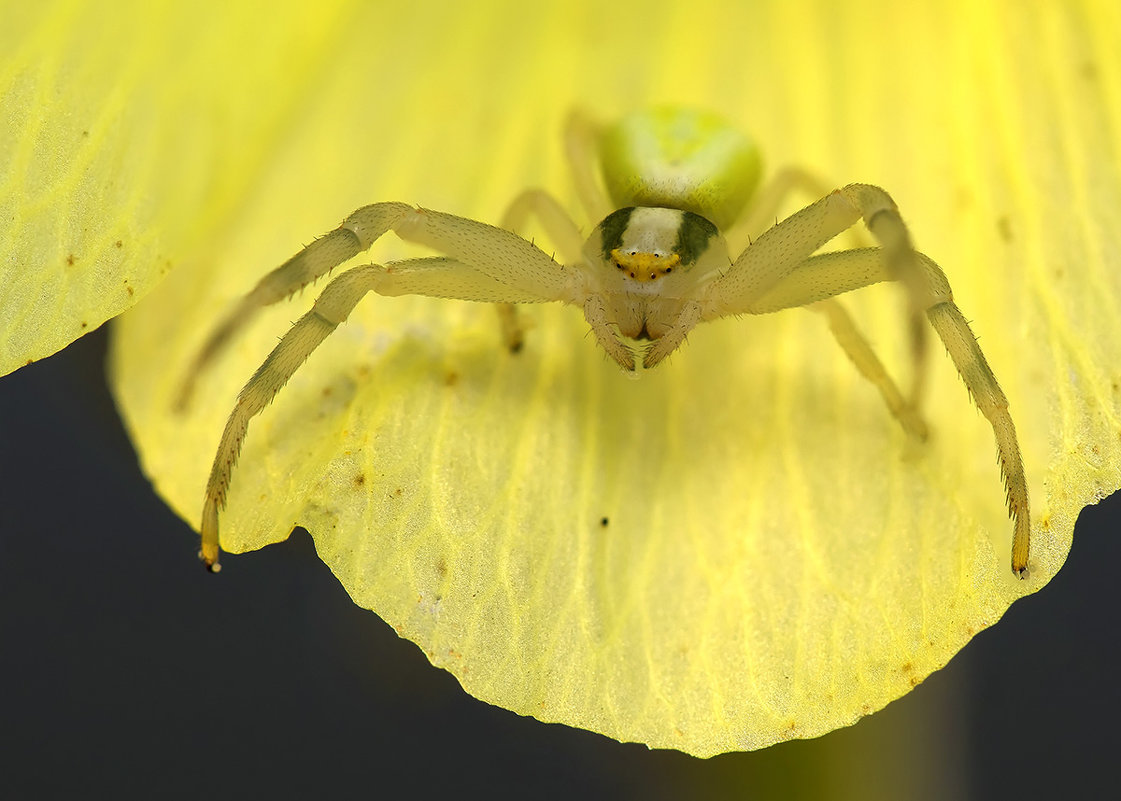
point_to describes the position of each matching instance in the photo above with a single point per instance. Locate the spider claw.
(211, 564)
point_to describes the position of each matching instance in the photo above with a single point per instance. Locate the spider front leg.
(484, 263)
(821, 277)
(781, 248)
(357, 233)
(435, 277)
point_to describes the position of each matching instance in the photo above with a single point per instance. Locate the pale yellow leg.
(882, 218)
(814, 285)
(562, 232)
(822, 276)
(860, 353)
(521, 266)
(356, 234)
(668, 342)
(581, 147)
(560, 227)
(962, 346)
(435, 277)
(330, 309)
(595, 312)
(767, 203)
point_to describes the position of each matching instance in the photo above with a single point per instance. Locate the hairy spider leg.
(582, 136)
(357, 233)
(436, 277)
(563, 233)
(823, 276)
(761, 215)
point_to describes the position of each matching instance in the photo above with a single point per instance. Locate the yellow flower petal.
(127, 137)
(740, 548)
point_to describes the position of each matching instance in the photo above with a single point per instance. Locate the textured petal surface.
(740, 548)
(127, 138)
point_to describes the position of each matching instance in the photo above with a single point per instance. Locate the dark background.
(128, 672)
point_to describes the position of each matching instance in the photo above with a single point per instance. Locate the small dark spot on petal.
(85, 324)
(603, 521)
(360, 479)
(70, 259)
(117, 244)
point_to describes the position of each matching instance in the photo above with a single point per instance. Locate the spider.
(654, 267)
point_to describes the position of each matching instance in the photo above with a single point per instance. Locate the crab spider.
(654, 267)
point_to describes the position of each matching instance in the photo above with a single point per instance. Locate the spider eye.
(642, 265)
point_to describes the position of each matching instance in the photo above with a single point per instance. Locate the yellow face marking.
(644, 266)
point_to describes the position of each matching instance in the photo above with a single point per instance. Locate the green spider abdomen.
(680, 158)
